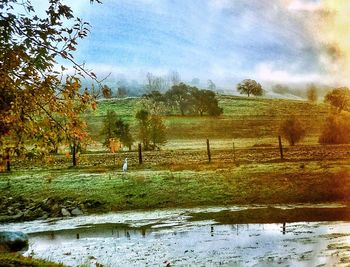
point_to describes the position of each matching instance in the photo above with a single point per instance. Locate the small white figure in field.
(125, 165)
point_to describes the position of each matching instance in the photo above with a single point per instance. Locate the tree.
(339, 98)
(311, 93)
(143, 123)
(249, 87)
(155, 96)
(336, 129)
(157, 131)
(152, 131)
(114, 127)
(174, 78)
(122, 131)
(292, 130)
(195, 82)
(39, 104)
(156, 83)
(106, 92)
(179, 96)
(122, 92)
(109, 127)
(154, 102)
(205, 101)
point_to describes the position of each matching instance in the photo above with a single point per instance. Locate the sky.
(271, 41)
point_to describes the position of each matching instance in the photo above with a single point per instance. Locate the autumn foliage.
(40, 105)
(336, 129)
(293, 130)
(339, 99)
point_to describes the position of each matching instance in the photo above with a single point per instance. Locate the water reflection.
(249, 244)
(171, 237)
(92, 231)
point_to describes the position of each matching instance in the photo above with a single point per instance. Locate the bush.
(336, 129)
(292, 130)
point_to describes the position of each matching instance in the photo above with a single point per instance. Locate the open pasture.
(242, 118)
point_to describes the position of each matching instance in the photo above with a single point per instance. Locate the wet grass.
(181, 186)
(179, 176)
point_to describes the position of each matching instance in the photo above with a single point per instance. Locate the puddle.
(156, 238)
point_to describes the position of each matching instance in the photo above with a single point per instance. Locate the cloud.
(302, 5)
(223, 40)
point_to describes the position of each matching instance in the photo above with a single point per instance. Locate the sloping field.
(243, 117)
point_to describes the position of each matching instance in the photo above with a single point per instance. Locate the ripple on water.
(169, 236)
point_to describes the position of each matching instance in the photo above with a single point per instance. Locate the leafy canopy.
(205, 101)
(293, 130)
(250, 87)
(152, 130)
(191, 100)
(38, 103)
(339, 98)
(336, 129)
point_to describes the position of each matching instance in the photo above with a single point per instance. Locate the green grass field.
(185, 186)
(243, 117)
(179, 175)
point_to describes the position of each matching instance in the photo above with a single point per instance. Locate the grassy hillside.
(243, 117)
(180, 175)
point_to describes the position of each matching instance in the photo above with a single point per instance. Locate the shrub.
(336, 130)
(292, 130)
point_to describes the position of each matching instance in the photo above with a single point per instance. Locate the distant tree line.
(122, 87)
(186, 100)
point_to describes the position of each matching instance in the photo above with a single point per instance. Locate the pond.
(174, 238)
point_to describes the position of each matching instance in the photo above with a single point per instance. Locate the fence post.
(140, 154)
(208, 150)
(234, 151)
(280, 146)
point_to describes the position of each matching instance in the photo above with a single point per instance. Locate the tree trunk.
(7, 160)
(74, 155)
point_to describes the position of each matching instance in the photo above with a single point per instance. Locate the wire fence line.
(229, 155)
